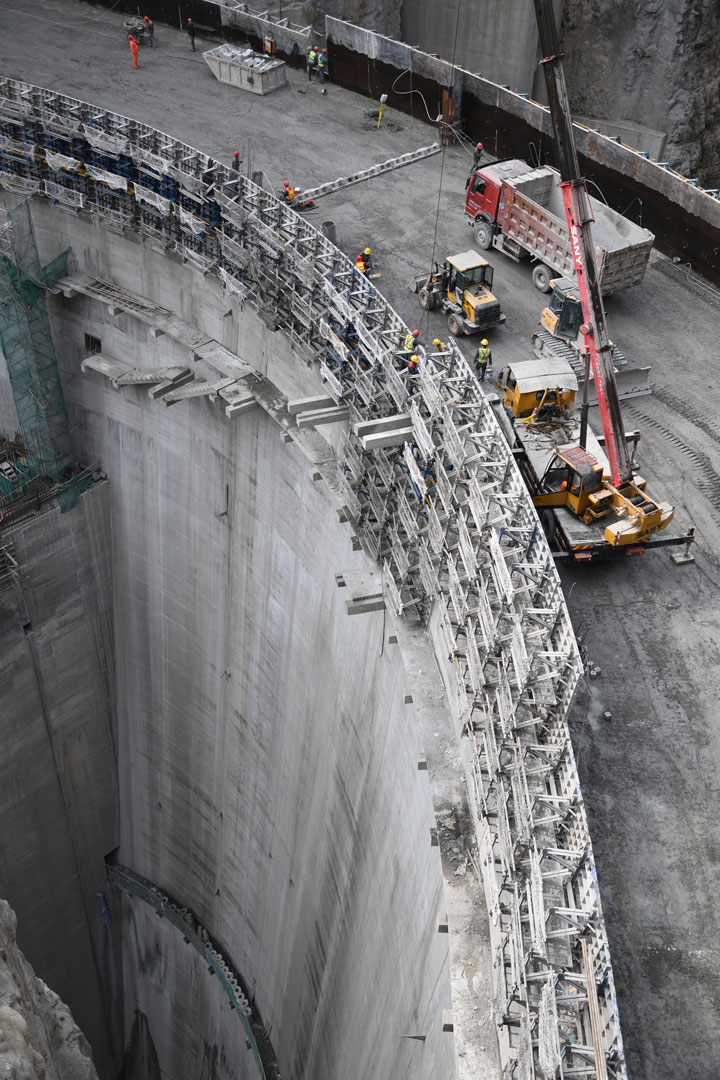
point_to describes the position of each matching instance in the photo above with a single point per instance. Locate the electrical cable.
(442, 163)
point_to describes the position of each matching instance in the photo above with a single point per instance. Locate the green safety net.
(27, 345)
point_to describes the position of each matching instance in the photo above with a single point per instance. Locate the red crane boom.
(579, 219)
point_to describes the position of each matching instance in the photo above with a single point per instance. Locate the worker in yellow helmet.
(483, 357)
(438, 345)
(365, 257)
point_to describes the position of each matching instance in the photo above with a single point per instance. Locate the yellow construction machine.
(462, 288)
(582, 512)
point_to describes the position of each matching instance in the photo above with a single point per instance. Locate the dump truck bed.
(533, 214)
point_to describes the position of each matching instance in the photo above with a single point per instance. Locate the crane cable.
(442, 162)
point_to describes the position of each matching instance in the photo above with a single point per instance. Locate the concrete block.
(315, 475)
(323, 416)
(160, 389)
(386, 423)
(389, 438)
(362, 607)
(422, 764)
(408, 698)
(243, 405)
(111, 369)
(310, 404)
(447, 1020)
(442, 924)
(392, 639)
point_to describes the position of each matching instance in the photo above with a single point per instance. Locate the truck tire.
(454, 326)
(483, 235)
(542, 275)
(427, 299)
(547, 520)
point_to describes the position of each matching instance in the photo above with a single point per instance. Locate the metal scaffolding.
(431, 490)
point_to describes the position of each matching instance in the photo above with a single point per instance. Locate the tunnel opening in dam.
(303, 688)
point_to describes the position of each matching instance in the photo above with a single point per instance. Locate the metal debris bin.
(247, 69)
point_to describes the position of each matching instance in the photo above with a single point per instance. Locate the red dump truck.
(519, 210)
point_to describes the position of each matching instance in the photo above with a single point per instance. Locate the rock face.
(39, 1039)
(375, 15)
(653, 62)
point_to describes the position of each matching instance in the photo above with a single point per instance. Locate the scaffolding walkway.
(430, 489)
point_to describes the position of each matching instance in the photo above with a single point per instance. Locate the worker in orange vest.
(134, 49)
(288, 191)
(360, 264)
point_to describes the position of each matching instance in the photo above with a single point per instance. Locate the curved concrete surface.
(128, 337)
(268, 774)
(268, 767)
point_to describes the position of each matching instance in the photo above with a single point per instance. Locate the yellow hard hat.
(484, 341)
(413, 359)
(437, 341)
(367, 251)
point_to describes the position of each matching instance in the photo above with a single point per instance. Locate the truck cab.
(483, 196)
(574, 479)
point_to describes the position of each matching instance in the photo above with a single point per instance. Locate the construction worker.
(360, 264)
(312, 62)
(439, 347)
(367, 259)
(288, 191)
(191, 33)
(413, 364)
(134, 49)
(150, 30)
(411, 340)
(477, 154)
(235, 164)
(483, 357)
(321, 66)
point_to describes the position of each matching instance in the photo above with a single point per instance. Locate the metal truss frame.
(437, 499)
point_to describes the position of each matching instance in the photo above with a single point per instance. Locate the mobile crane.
(603, 504)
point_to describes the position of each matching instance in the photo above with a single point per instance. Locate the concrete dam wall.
(295, 620)
(268, 769)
